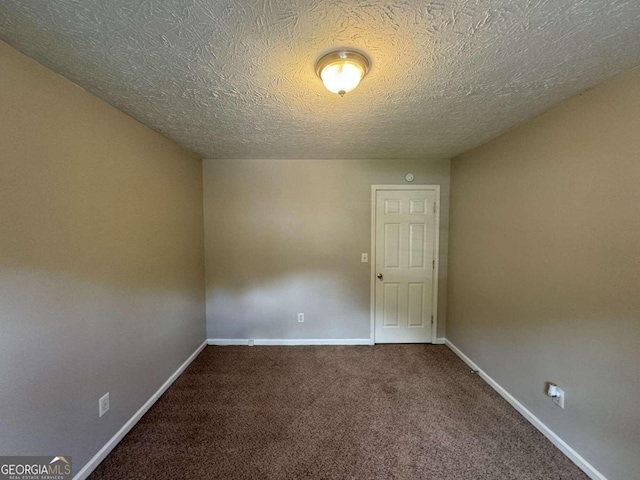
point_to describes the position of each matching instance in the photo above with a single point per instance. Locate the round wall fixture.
(409, 177)
(342, 70)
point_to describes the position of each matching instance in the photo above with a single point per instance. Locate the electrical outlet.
(364, 258)
(301, 317)
(251, 343)
(103, 404)
(559, 399)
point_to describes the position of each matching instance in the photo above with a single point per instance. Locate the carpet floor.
(333, 412)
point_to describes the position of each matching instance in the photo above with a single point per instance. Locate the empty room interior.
(320, 239)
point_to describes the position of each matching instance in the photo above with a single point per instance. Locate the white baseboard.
(227, 341)
(299, 341)
(91, 465)
(574, 456)
(289, 341)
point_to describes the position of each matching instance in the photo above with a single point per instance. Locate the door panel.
(392, 245)
(391, 302)
(405, 248)
(416, 245)
(416, 295)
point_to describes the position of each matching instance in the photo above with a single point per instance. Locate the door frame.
(434, 310)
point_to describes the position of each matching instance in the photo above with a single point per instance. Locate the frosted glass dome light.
(342, 70)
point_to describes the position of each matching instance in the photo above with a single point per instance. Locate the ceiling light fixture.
(342, 70)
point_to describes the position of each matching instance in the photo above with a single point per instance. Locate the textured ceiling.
(235, 79)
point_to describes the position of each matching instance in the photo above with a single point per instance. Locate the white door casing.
(405, 255)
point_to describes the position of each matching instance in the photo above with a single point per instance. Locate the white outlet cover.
(559, 400)
(103, 404)
(301, 317)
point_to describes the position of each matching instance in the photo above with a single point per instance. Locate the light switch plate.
(364, 258)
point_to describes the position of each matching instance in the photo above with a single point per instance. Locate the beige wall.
(101, 263)
(544, 270)
(285, 236)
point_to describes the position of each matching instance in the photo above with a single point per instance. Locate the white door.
(405, 252)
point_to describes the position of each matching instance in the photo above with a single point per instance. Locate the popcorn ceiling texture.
(235, 79)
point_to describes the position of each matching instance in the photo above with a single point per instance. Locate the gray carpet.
(382, 412)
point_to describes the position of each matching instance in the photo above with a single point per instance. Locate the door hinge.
(433, 264)
(431, 319)
(434, 207)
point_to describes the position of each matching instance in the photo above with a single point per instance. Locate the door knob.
(380, 276)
